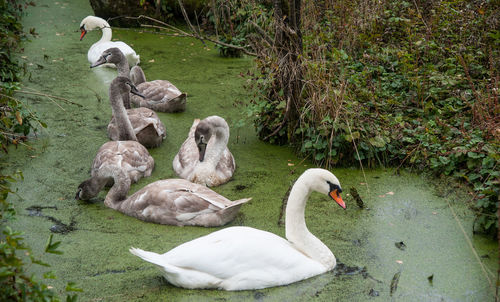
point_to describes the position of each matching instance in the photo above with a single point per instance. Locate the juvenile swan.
(147, 126)
(126, 157)
(90, 23)
(170, 201)
(244, 258)
(159, 95)
(204, 157)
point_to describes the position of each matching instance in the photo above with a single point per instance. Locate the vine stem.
(357, 153)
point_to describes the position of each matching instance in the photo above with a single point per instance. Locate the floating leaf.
(394, 283)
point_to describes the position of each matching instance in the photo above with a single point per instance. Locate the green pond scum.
(399, 210)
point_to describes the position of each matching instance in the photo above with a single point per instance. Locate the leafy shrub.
(402, 83)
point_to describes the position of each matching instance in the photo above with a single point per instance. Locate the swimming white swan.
(159, 95)
(92, 22)
(127, 157)
(242, 258)
(204, 157)
(146, 125)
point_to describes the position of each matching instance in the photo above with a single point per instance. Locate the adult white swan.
(159, 95)
(204, 157)
(92, 22)
(242, 258)
(126, 157)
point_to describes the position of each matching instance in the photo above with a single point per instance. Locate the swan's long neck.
(296, 228)
(125, 129)
(106, 33)
(214, 153)
(118, 192)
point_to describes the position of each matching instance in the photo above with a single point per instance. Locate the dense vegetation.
(16, 284)
(402, 83)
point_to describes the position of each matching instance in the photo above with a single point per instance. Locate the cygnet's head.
(91, 23)
(202, 135)
(123, 85)
(111, 55)
(87, 190)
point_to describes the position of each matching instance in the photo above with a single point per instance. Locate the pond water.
(406, 245)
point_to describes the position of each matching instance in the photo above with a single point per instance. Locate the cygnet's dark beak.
(134, 90)
(100, 61)
(77, 196)
(201, 149)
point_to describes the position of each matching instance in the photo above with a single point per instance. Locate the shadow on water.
(59, 227)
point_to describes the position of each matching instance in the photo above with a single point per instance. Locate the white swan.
(159, 95)
(92, 22)
(127, 157)
(242, 258)
(204, 157)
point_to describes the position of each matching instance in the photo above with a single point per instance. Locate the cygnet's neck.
(125, 129)
(118, 192)
(216, 148)
(137, 75)
(123, 67)
(296, 228)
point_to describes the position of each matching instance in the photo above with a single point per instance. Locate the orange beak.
(335, 196)
(84, 32)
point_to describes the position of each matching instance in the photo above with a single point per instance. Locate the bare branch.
(262, 33)
(196, 34)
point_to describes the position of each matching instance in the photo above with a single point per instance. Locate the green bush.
(401, 83)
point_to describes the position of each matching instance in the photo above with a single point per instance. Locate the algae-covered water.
(407, 245)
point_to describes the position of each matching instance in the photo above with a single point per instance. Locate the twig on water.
(195, 34)
(48, 96)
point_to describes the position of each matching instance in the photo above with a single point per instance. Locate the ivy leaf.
(377, 141)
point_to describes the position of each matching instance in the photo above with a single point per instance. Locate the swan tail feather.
(239, 202)
(155, 259)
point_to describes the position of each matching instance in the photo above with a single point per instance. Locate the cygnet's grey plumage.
(204, 157)
(146, 125)
(126, 157)
(159, 95)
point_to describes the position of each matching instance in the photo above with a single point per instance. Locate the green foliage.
(230, 21)
(402, 83)
(16, 122)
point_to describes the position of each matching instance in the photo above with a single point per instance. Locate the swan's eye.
(334, 187)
